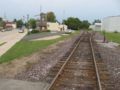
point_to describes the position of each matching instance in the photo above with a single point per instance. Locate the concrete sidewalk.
(11, 84)
(17, 37)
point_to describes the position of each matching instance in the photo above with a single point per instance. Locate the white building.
(91, 27)
(96, 27)
(111, 24)
(11, 25)
(5, 18)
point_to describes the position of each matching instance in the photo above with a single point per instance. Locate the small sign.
(103, 31)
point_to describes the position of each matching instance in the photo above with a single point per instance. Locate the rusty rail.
(94, 65)
(50, 86)
(96, 68)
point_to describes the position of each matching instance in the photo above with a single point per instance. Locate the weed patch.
(2, 43)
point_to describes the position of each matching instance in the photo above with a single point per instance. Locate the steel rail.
(98, 77)
(64, 65)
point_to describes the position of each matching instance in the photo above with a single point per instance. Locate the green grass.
(37, 33)
(113, 36)
(2, 43)
(24, 48)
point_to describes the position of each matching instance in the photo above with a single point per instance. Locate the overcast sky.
(82, 9)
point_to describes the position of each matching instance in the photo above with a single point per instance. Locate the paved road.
(31, 37)
(11, 37)
(11, 84)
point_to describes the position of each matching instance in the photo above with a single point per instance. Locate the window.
(42, 19)
(43, 28)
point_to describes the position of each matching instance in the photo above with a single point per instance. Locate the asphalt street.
(38, 36)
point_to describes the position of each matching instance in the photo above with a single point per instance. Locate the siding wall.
(111, 24)
(52, 26)
(55, 26)
(97, 27)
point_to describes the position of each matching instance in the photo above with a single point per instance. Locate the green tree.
(3, 24)
(73, 23)
(0, 19)
(85, 24)
(96, 21)
(19, 23)
(51, 17)
(32, 23)
(14, 20)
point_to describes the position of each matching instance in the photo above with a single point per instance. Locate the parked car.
(3, 30)
(36, 29)
(9, 29)
(68, 31)
(21, 30)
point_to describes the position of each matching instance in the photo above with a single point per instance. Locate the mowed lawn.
(24, 48)
(113, 36)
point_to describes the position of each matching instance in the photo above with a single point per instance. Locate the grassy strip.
(112, 36)
(24, 48)
(2, 44)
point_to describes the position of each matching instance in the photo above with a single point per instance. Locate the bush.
(35, 31)
(48, 31)
(115, 31)
(1, 28)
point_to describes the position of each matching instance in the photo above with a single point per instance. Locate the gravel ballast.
(38, 73)
(111, 57)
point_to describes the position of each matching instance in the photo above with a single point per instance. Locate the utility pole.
(40, 18)
(63, 19)
(27, 22)
(27, 17)
(40, 9)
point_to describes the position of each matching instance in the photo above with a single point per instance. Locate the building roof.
(97, 24)
(11, 23)
(112, 16)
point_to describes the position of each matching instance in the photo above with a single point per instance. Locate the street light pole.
(27, 17)
(27, 22)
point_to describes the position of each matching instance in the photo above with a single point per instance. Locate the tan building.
(53, 26)
(43, 25)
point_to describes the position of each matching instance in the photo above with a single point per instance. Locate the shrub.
(48, 31)
(35, 31)
(115, 31)
(1, 28)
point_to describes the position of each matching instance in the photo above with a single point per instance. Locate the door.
(61, 29)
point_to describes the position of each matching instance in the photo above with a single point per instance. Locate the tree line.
(76, 24)
(71, 22)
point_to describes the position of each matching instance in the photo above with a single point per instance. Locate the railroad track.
(82, 68)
